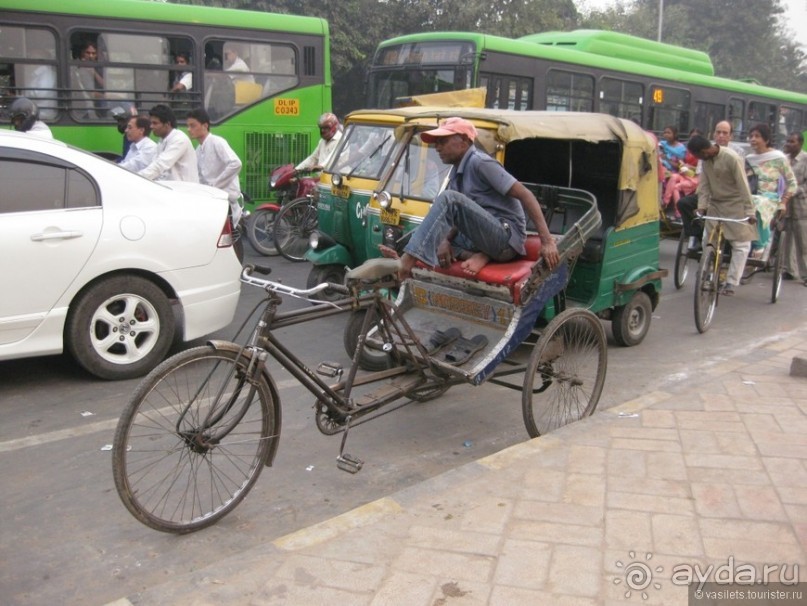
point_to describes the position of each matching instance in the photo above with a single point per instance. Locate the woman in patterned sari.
(777, 184)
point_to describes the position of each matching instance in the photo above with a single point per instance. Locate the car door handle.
(56, 235)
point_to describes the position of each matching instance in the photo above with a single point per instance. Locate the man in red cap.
(480, 217)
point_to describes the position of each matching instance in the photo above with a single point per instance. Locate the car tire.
(93, 333)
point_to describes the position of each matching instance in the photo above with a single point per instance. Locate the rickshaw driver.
(480, 216)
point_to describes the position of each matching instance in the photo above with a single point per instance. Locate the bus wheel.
(631, 322)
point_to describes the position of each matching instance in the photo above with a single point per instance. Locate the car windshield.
(363, 151)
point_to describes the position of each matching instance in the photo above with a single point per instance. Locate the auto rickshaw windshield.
(363, 151)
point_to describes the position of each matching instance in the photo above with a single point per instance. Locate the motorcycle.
(290, 185)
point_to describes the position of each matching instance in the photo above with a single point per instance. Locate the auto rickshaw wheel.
(335, 274)
(369, 359)
(630, 322)
(566, 372)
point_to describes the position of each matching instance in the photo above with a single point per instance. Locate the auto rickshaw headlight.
(320, 241)
(336, 180)
(384, 199)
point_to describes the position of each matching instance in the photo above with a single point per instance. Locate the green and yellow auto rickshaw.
(556, 154)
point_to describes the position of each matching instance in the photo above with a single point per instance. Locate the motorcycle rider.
(25, 117)
(331, 132)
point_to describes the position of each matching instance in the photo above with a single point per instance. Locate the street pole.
(660, 18)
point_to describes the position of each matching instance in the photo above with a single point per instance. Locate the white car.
(104, 263)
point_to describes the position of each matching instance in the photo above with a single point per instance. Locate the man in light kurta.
(796, 255)
(723, 192)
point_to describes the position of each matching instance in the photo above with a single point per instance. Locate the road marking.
(74, 432)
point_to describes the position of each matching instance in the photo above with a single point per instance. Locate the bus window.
(736, 113)
(764, 113)
(621, 98)
(791, 120)
(256, 70)
(507, 92)
(707, 115)
(567, 91)
(28, 67)
(669, 106)
(108, 69)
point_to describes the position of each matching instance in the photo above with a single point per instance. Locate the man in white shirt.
(234, 63)
(331, 134)
(141, 147)
(175, 158)
(218, 163)
(183, 81)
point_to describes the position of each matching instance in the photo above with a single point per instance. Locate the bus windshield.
(390, 87)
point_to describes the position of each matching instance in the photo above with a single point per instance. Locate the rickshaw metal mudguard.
(247, 354)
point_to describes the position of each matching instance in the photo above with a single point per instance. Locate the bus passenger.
(92, 80)
(182, 80)
(481, 216)
(234, 63)
(331, 133)
(175, 158)
(217, 163)
(141, 147)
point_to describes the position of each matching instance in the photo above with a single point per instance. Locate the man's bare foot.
(474, 263)
(407, 263)
(387, 252)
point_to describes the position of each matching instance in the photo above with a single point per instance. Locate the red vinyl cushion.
(510, 274)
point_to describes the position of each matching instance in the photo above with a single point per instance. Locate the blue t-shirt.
(485, 181)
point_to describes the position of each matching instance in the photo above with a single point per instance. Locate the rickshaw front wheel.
(630, 322)
(566, 372)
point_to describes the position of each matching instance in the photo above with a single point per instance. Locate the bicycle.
(773, 258)
(711, 269)
(200, 428)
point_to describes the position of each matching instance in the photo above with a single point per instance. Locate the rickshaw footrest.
(349, 463)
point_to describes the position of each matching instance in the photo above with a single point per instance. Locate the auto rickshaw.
(617, 276)
(343, 239)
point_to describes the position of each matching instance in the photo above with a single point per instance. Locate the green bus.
(651, 83)
(264, 78)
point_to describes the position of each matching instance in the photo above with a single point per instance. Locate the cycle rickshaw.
(200, 428)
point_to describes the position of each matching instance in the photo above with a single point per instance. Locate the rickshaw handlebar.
(248, 277)
(724, 219)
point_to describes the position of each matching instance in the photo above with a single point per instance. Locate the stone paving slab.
(620, 508)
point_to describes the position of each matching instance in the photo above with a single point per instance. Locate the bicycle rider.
(723, 192)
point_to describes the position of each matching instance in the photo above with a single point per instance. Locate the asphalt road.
(67, 539)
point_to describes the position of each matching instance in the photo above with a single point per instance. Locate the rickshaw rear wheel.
(369, 359)
(334, 274)
(630, 322)
(566, 372)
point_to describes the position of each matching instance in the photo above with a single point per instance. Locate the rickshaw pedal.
(463, 349)
(349, 463)
(442, 338)
(330, 369)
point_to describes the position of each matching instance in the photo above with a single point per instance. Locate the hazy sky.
(796, 14)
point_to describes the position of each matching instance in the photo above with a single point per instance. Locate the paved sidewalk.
(711, 473)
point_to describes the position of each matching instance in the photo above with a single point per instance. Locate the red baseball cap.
(450, 126)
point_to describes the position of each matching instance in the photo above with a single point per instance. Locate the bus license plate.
(390, 216)
(340, 191)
